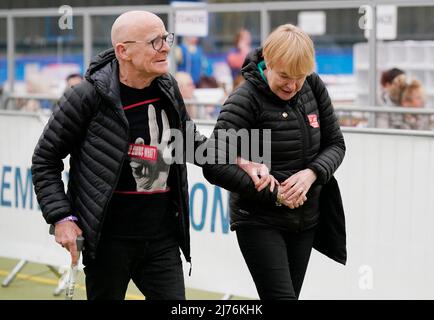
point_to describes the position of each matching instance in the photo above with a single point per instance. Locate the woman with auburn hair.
(277, 227)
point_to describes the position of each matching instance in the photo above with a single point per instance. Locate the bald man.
(125, 195)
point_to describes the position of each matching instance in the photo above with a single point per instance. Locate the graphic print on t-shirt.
(141, 206)
(150, 164)
(146, 168)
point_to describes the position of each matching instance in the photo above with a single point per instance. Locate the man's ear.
(122, 52)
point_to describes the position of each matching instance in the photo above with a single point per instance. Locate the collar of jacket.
(103, 72)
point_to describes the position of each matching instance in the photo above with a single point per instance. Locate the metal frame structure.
(263, 8)
(372, 111)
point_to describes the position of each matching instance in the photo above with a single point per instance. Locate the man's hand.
(294, 189)
(259, 174)
(66, 234)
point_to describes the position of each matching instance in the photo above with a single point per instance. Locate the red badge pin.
(313, 120)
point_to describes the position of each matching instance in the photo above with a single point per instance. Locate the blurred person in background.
(34, 85)
(238, 81)
(388, 120)
(189, 57)
(394, 99)
(73, 79)
(211, 111)
(408, 93)
(395, 90)
(187, 87)
(386, 80)
(413, 96)
(237, 55)
(277, 227)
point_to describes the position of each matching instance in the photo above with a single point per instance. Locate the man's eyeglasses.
(158, 42)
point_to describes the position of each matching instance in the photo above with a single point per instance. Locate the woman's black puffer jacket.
(296, 142)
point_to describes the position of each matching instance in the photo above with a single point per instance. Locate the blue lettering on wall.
(217, 205)
(198, 186)
(25, 193)
(218, 200)
(3, 186)
(16, 187)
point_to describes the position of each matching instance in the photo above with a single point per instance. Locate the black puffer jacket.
(89, 124)
(295, 145)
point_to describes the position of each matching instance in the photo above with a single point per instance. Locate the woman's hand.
(294, 189)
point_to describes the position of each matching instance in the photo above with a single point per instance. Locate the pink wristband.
(69, 218)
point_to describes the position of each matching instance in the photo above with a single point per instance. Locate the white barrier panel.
(386, 184)
(387, 188)
(23, 231)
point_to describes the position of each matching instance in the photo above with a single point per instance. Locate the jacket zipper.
(118, 175)
(181, 216)
(307, 141)
(179, 178)
(182, 205)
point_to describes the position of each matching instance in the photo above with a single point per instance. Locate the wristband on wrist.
(69, 218)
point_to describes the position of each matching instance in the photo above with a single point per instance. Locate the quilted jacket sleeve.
(237, 113)
(63, 132)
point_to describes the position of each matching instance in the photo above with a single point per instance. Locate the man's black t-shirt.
(141, 205)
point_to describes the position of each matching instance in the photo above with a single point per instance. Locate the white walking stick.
(73, 272)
